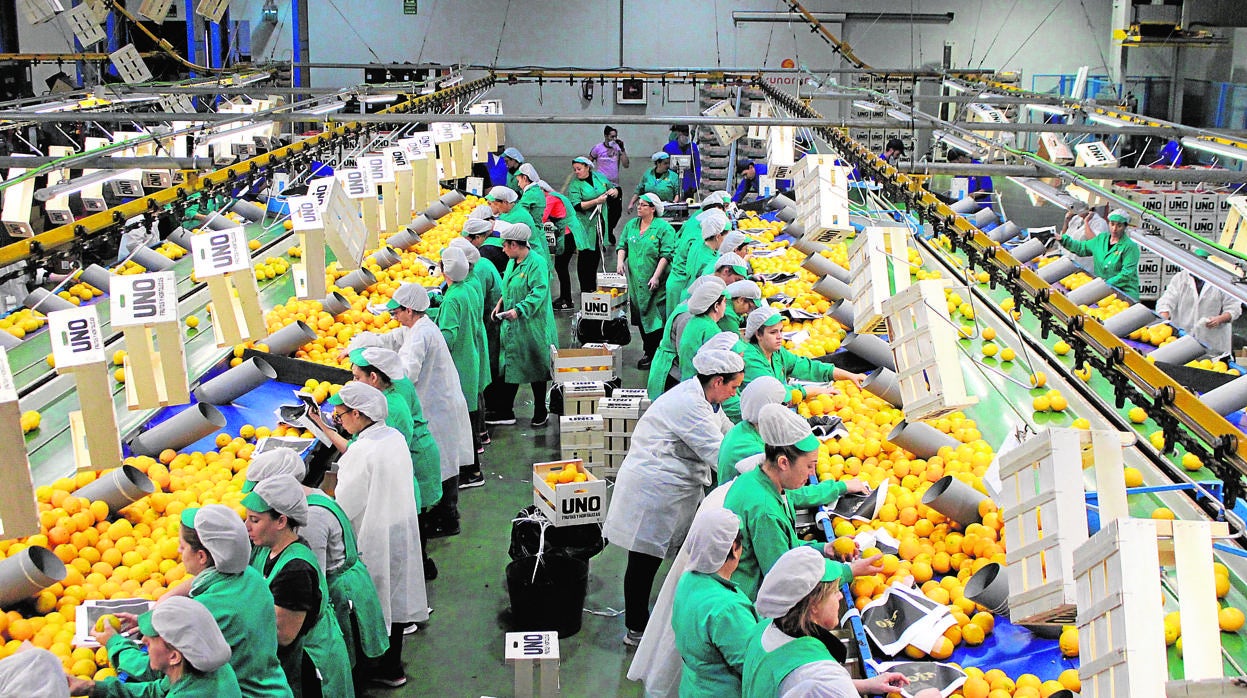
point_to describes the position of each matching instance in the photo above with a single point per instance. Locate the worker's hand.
(866, 565)
(1217, 320)
(508, 315)
(79, 687)
(103, 636)
(1164, 314)
(855, 378)
(886, 682)
(654, 283)
(980, 195)
(829, 552)
(612, 193)
(856, 486)
(621, 268)
(824, 389)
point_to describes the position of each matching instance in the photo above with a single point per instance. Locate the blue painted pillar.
(299, 34)
(192, 36)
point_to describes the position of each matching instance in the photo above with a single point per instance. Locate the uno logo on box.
(355, 182)
(76, 337)
(220, 252)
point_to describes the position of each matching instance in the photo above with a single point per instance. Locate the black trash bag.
(547, 593)
(615, 331)
(581, 541)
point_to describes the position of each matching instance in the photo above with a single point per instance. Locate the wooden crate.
(19, 510)
(581, 397)
(876, 273)
(569, 503)
(583, 430)
(821, 192)
(924, 345)
(1120, 627)
(639, 393)
(585, 364)
(1234, 232)
(1042, 482)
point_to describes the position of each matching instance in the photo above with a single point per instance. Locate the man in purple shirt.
(607, 157)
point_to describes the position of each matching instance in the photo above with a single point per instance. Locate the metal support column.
(192, 36)
(298, 18)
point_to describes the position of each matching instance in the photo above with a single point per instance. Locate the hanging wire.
(1003, 24)
(346, 19)
(502, 34)
(1033, 32)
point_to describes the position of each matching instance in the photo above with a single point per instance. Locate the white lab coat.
(33, 673)
(427, 361)
(670, 462)
(377, 493)
(135, 237)
(657, 662)
(1190, 309)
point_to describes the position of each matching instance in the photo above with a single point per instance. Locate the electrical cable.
(1003, 23)
(346, 19)
(503, 32)
(1033, 32)
(161, 44)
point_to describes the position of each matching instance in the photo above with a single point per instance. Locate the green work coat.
(323, 644)
(355, 602)
(487, 279)
(593, 221)
(740, 442)
(643, 251)
(426, 458)
(460, 322)
(525, 355)
(666, 186)
(678, 279)
(569, 224)
(399, 417)
(513, 183)
(765, 671)
(221, 683)
(243, 608)
(713, 623)
(699, 329)
(731, 321)
(665, 356)
(768, 526)
(784, 365)
(1117, 264)
(533, 201)
(701, 261)
(537, 243)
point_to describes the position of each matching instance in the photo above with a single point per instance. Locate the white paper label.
(141, 299)
(76, 337)
(398, 157)
(465, 128)
(305, 213)
(378, 168)
(319, 189)
(412, 147)
(220, 252)
(356, 184)
(8, 391)
(445, 132)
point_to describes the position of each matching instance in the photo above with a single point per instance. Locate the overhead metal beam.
(745, 16)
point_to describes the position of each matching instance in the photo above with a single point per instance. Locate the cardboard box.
(1177, 205)
(570, 503)
(581, 397)
(585, 364)
(603, 306)
(1148, 199)
(1204, 203)
(1205, 224)
(587, 430)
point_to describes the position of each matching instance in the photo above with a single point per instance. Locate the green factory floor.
(459, 653)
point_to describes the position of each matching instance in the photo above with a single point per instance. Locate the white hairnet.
(744, 289)
(33, 673)
(731, 259)
(704, 296)
(780, 426)
(759, 318)
(761, 391)
(514, 154)
(384, 360)
(482, 212)
(504, 194)
(188, 626)
(708, 362)
(454, 264)
(469, 250)
(723, 341)
(277, 461)
(412, 296)
(731, 241)
(716, 198)
(478, 226)
(365, 398)
(519, 232)
(652, 199)
(795, 574)
(710, 539)
(282, 494)
(363, 340)
(528, 171)
(712, 222)
(1119, 215)
(223, 534)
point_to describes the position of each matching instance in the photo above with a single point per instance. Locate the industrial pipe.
(787, 214)
(436, 210)
(1057, 269)
(97, 276)
(8, 341)
(335, 304)
(869, 348)
(248, 210)
(1028, 250)
(832, 289)
(27, 573)
(882, 383)
(1005, 233)
(820, 266)
(360, 280)
(1129, 320)
(385, 257)
(965, 206)
(920, 438)
(1090, 293)
(288, 339)
(236, 382)
(984, 217)
(45, 301)
(989, 587)
(842, 312)
(1181, 351)
(1228, 398)
(955, 499)
(179, 431)
(181, 237)
(150, 259)
(807, 246)
(118, 488)
(452, 199)
(404, 239)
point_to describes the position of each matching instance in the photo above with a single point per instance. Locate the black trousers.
(390, 665)
(446, 513)
(587, 262)
(562, 268)
(650, 342)
(474, 418)
(638, 585)
(614, 211)
(506, 393)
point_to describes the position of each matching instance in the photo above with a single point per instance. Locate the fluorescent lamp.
(236, 134)
(900, 115)
(955, 86)
(76, 185)
(868, 106)
(1045, 191)
(1052, 109)
(955, 141)
(1106, 120)
(65, 105)
(327, 108)
(378, 99)
(1215, 148)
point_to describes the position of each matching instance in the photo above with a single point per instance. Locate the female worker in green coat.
(789, 657)
(663, 371)
(705, 307)
(461, 324)
(588, 193)
(766, 356)
(527, 318)
(644, 249)
(659, 179)
(686, 238)
(743, 441)
(712, 620)
(1116, 256)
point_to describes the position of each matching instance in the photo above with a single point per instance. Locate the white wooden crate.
(1042, 482)
(876, 273)
(581, 397)
(585, 364)
(1234, 232)
(924, 346)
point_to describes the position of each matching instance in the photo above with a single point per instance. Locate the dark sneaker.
(633, 637)
(442, 530)
(561, 304)
(541, 420)
(500, 420)
(645, 362)
(389, 682)
(485, 438)
(430, 573)
(476, 479)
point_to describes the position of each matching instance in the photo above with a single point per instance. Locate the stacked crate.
(620, 414)
(583, 437)
(581, 397)
(608, 301)
(592, 362)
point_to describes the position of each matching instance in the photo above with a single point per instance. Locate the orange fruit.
(1069, 680)
(975, 687)
(21, 630)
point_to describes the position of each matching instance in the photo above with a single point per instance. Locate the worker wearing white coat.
(1201, 309)
(670, 462)
(377, 493)
(427, 360)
